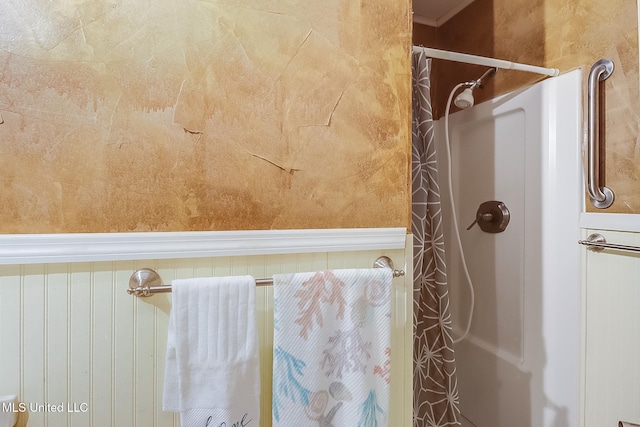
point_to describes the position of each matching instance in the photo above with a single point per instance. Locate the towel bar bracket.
(386, 262)
(145, 282)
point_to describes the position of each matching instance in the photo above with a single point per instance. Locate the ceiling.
(436, 12)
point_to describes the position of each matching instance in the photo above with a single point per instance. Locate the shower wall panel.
(519, 363)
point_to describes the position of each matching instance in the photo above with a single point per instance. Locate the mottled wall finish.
(177, 115)
(564, 34)
(577, 35)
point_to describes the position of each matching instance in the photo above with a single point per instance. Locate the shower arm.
(478, 82)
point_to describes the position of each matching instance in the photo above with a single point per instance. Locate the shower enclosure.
(519, 365)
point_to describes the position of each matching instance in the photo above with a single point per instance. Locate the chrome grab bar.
(601, 197)
(597, 243)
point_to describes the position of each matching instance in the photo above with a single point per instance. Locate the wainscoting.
(611, 332)
(70, 334)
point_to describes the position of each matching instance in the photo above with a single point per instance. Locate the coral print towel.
(331, 350)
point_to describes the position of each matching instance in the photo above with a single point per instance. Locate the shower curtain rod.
(488, 62)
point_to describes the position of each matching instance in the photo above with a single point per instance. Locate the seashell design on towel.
(332, 355)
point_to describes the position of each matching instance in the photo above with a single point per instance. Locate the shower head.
(465, 98)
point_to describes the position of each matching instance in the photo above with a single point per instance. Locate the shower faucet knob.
(481, 217)
(492, 217)
(487, 216)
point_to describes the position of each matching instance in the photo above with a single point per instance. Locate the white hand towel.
(8, 410)
(331, 348)
(212, 368)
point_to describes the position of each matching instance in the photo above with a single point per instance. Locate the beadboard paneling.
(611, 374)
(71, 335)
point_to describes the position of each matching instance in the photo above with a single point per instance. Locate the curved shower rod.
(487, 62)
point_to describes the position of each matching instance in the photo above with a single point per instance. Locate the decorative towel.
(212, 368)
(331, 348)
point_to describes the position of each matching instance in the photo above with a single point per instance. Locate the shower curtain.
(435, 391)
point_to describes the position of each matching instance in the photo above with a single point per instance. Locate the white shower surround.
(520, 364)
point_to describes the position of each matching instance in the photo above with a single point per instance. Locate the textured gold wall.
(175, 115)
(564, 34)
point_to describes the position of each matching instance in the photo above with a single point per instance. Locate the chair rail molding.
(52, 248)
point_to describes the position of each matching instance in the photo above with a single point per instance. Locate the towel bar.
(145, 282)
(597, 243)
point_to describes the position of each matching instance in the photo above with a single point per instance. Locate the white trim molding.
(424, 20)
(610, 221)
(52, 248)
(436, 21)
(453, 12)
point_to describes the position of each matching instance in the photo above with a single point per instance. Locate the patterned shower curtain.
(435, 389)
